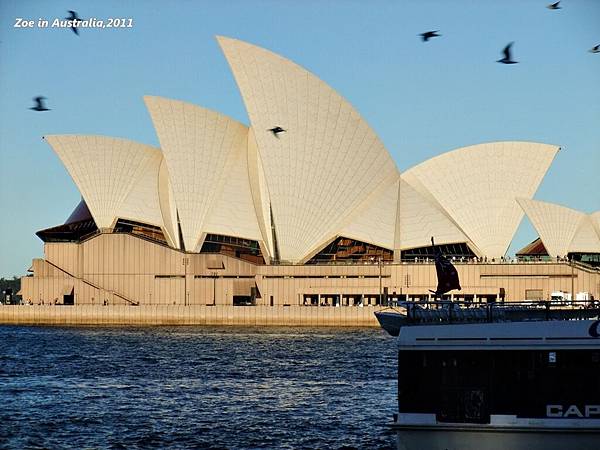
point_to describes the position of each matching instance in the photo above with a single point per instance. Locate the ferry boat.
(506, 385)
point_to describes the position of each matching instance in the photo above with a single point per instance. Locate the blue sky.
(422, 99)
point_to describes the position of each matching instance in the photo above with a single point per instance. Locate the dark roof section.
(347, 249)
(533, 248)
(79, 224)
(80, 213)
(458, 250)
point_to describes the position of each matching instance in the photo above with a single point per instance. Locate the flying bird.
(595, 49)
(507, 56)
(39, 104)
(429, 34)
(73, 16)
(554, 6)
(276, 131)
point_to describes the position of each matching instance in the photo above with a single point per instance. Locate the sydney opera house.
(304, 206)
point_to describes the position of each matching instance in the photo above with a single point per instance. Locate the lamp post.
(214, 277)
(572, 280)
(380, 263)
(185, 263)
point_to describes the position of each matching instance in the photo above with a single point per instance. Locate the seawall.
(189, 315)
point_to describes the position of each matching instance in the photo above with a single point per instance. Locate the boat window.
(469, 386)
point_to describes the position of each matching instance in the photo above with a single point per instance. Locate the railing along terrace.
(460, 311)
(432, 261)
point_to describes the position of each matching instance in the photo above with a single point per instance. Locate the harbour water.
(196, 387)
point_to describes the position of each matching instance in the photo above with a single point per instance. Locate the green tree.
(14, 285)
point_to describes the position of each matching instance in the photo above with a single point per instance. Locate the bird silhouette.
(276, 131)
(554, 6)
(595, 49)
(39, 104)
(73, 16)
(429, 34)
(507, 56)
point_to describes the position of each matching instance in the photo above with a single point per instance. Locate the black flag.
(446, 273)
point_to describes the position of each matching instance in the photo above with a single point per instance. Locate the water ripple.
(196, 387)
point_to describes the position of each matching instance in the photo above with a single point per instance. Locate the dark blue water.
(194, 387)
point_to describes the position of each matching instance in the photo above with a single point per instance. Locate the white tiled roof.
(562, 229)
(476, 186)
(326, 163)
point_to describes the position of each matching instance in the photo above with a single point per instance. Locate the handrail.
(528, 303)
(449, 312)
(585, 267)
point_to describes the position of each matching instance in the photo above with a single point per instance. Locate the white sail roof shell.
(375, 222)
(167, 203)
(260, 194)
(421, 219)
(561, 229)
(586, 239)
(232, 212)
(596, 221)
(326, 163)
(197, 144)
(117, 178)
(477, 185)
